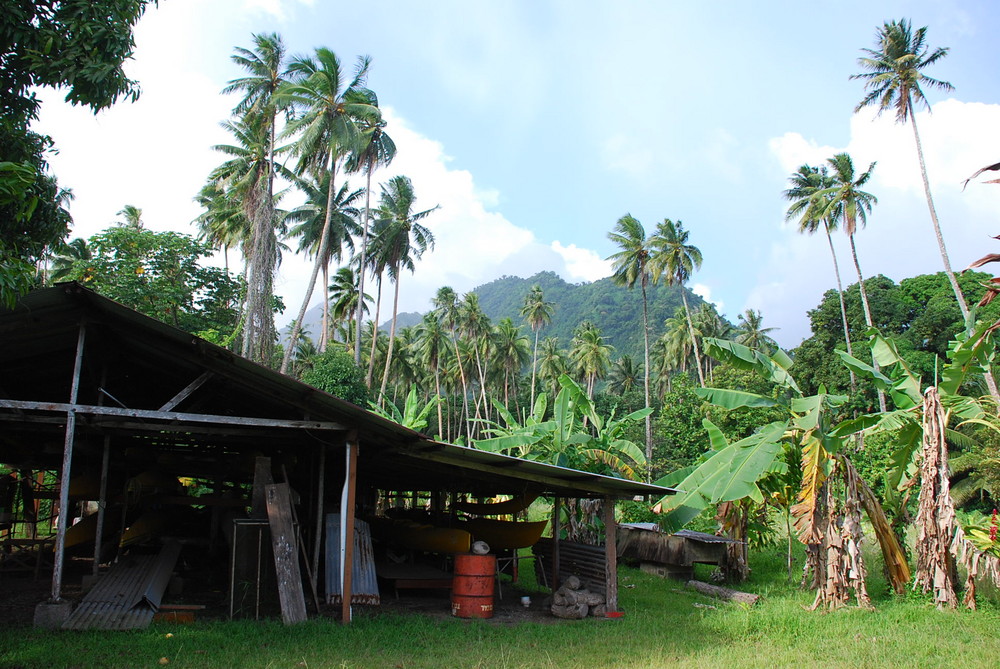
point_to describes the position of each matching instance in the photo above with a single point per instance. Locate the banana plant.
(413, 415)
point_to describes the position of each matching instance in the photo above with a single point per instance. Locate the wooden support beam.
(320, 507)
(186, 392)
(556, 503)
(611, 554)
(102, 504)
(171, 416)
(67, 462)
(347, 526)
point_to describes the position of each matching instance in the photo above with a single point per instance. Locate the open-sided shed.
(90, 387)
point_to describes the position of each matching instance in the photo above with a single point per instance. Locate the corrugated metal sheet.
(364, 582)
(128, 595)
(703, 538)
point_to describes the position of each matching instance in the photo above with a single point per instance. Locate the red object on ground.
(615, 614)
(472, 586)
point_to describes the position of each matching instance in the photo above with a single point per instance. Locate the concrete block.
(52, 615)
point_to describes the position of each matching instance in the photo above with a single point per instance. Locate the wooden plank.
(286, 561)
(262, 477)
(347, 512)
(172, 416)
(186, 391)
(610, 555)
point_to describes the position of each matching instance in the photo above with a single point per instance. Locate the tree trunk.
(392, 339)
(534, 366)
(645, 385)
(694, 341)
(320, 254)
(362, 269)
(370, 376)
(843, 306)
(868, 314)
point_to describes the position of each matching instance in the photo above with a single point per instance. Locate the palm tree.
(445, 304)
(624, 376)
(376, 149)
(753, 334)
(633, 264)
(708, 324)
(329, 107)
(893, 78)
(590, 356)
(401, 241)
(131, 217)
(345, 300)
(552, 364)
(510, 354)
(68, 256)
(312, 220)
(538, 313)
(432, 346)
(804, 184)
(677, 259)
(475, 328)
(844, 198)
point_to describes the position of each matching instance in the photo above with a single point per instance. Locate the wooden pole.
(57, 568)
(556, 501)
(320, 516)
(102, 503)
(347, 525)
(610, 553)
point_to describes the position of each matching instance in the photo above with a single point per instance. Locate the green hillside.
(616, 310)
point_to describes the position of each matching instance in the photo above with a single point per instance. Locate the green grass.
(662, 627)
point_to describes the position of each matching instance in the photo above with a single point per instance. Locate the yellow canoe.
(504, 534)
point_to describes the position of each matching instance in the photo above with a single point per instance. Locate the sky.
(536, 124)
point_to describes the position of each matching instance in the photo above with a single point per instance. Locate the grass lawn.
(662, 627)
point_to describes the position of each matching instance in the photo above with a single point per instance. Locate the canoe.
(515, 505)
(503, 534)
(422, 537)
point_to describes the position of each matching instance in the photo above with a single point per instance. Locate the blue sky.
(536, 125)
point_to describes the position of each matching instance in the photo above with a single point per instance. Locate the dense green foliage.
(159, 274)
(76, 44)
(335, 372)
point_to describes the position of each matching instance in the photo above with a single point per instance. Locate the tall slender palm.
(345, 300)
(475, 327)
(402, 240)
(222, 224)
(375, 149)
(329, 105)
(312, 221)
(131, 217)
(538, 313)
(677, 260)
(844, 198)
(510, 354)
(552, 364)
(708, 324)
(633, 264)
(68, 256)
(432, 347)
(445, 304)
(590, 356)
(804, 184)
(893, 78)
(753, 334)
(625, 375)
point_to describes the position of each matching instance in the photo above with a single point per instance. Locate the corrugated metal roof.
(139, 362)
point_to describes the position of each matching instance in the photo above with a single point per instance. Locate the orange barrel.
(472, 586)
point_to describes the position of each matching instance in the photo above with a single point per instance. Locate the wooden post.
(286, 562)
(611, 553)
(347, 525)
(102, 503)
(320, 516)
(57, 568)
(556, 501)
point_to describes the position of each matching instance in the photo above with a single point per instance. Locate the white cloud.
(582, 264)
(705, 293)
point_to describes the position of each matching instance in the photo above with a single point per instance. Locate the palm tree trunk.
(392, 339)
(369, 377)
(694, 342)
(320, 254)
(325, 334)
(361, 268)
(534, 363)
(843, 306)
(645, 385)
(437, 389)
(868, 315)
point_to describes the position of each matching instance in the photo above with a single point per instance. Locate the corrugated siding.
(364, 582)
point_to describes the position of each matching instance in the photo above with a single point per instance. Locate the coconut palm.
(445, 304)
(538, 313)
(753, 334)
(625, 376)
(311, 220)
(894, 79)
(345, 300)
(804, 184)
(590, 356)
(131, 217)
(375, 149)
(844, 198)
(329, 105)
(708, 324)
(402, 239)
(432, 346)
(510, 354)
(676, 260)
(631, 265)
(475, 328)
(68, 256)
(552, 364)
